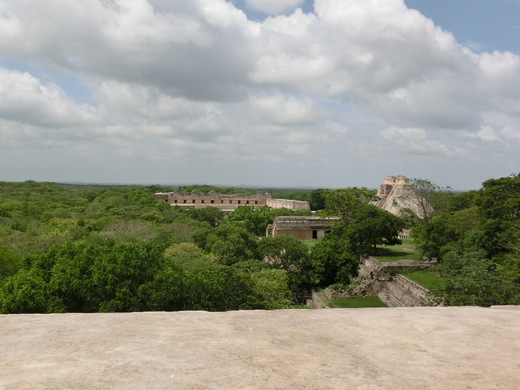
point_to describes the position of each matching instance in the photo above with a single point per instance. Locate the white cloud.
(486, 133)
(273, 6)
(416, 141)
(282, 110)
(198, 78)
(408, 134)
(24, 98)
(199, 51)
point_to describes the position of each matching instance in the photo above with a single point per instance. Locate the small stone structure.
(384, 280)
(403, 292)
(396, 195)
(228, 203)
(303, 228)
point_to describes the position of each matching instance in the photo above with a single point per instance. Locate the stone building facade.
(392, 182)
(303, 228)
(228, 203)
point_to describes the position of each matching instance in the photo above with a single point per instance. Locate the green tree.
(472, 279)
(432, 238)
(422, 194)
(283, 252)
(291, 255)
(230, 243)
(345, 203)
(219, 288)
(168, 290)
(189, 256)
(71, 284)
(9, 263)
(372, 226)
(270, 286)
(211, 215)
(510, 264)
(25, 292)
(500, 198)
(120, 272)
(254, 220)
(318, 199)
(334, 261)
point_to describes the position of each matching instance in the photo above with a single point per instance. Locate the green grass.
(405, 251)
(351, 303)
(428, 279)
(310, 243)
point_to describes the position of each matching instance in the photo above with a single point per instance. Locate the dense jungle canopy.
(85, 248)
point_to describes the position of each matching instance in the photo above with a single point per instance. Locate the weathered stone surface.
(403, 348)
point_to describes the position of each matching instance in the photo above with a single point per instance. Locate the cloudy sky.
(323, 93)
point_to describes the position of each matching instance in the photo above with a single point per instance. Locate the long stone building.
(228, 203)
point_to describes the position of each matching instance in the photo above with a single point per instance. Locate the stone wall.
(290, 204)
(380, 269)
(303, 235)
(316, 302)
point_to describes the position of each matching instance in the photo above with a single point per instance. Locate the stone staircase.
(403, 292)
(390, 295)
(385, 281)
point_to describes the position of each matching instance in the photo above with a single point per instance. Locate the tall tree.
(372, 226)
(230, 243)
(500, 198)
(421, 194)
(334, 261)
(344, 203)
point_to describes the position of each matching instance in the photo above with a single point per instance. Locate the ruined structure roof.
(287, 222)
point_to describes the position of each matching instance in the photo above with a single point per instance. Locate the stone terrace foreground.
(402, 348)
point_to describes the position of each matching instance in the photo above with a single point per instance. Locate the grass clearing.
(405, 251)
(428, 279)
(356, 303)
(310, 243)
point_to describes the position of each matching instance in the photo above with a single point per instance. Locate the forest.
(86, 248)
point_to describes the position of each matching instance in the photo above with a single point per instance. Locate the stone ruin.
(301, 227)
(384, 280)
(396, 195)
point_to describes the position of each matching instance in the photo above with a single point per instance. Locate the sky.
(279, 93)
